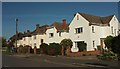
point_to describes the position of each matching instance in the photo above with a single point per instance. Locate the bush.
(44, 48)
(66, 42)
(54, 49)
(82, 46)
(20, 49)
(38, 51)
(24, 49)
(107, 55)
(31, 50)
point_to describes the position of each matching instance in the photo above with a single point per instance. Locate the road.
(47, 61)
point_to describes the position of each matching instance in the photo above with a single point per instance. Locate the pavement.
(58, 61)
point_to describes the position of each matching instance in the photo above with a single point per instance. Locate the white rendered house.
(92, 30)
(57, 32)
(86, 28)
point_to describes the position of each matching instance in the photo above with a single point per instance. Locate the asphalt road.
(12, 61)
(47, 61)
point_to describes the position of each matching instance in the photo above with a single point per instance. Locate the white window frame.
(51, 35)
(79, 30)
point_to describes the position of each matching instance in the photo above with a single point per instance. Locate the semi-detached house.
(86, 28)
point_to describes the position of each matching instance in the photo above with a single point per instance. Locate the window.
(41, 40)
(77, 17)
(34, 37)
(51, 35)
(34, 44)
(93, 30)
(119, 31)
(79, 30)
(93, 43)
(112, 29)
(114, 18)
(60, 34)
(115, 31)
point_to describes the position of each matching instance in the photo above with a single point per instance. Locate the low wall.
(85, 53)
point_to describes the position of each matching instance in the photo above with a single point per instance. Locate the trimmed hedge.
(25, 49)
(51, 49)
(54, 49)
(43, 48)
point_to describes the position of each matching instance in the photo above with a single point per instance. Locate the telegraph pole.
(16, 30)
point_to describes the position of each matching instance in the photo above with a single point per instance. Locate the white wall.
(85, 36)
(56, 38)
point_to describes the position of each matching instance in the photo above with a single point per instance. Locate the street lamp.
(16, 30)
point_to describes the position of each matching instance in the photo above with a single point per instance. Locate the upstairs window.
(112, 29)
(79, 30)
(93, 43)
(77, 17)
(51, 35)
(93, 30)
(34, 44)
(41, 40)
(114, 18)
(115, 31)
(60, 34)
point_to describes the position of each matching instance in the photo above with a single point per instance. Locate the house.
(86, 28)
(92, 30)
(57, 32)
(38, 36)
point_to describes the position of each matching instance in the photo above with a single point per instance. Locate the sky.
(60, 0)
(0, 18)
(31, 13)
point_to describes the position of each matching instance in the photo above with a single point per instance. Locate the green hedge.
(54, 49)
(51, 49)
(44, 48)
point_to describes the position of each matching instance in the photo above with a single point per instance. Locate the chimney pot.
(28, 30)
(37, 25)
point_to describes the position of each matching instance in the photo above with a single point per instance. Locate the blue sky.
(32, 13)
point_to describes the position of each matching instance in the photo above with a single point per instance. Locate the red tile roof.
(61, 26)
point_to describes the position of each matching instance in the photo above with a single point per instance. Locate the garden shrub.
(38, 51)
(54, 49)
(20, 49)
(82, 46)
(26, 49)
(44, 48)
(107, 55)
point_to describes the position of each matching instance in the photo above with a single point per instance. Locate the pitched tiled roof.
(27, 34)
(19, 36)
(60, 26)
(43, 29)
(96, 19)
(40, 30)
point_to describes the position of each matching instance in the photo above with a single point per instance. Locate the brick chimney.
(37, 26)
(28, 31)
(64, 24)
